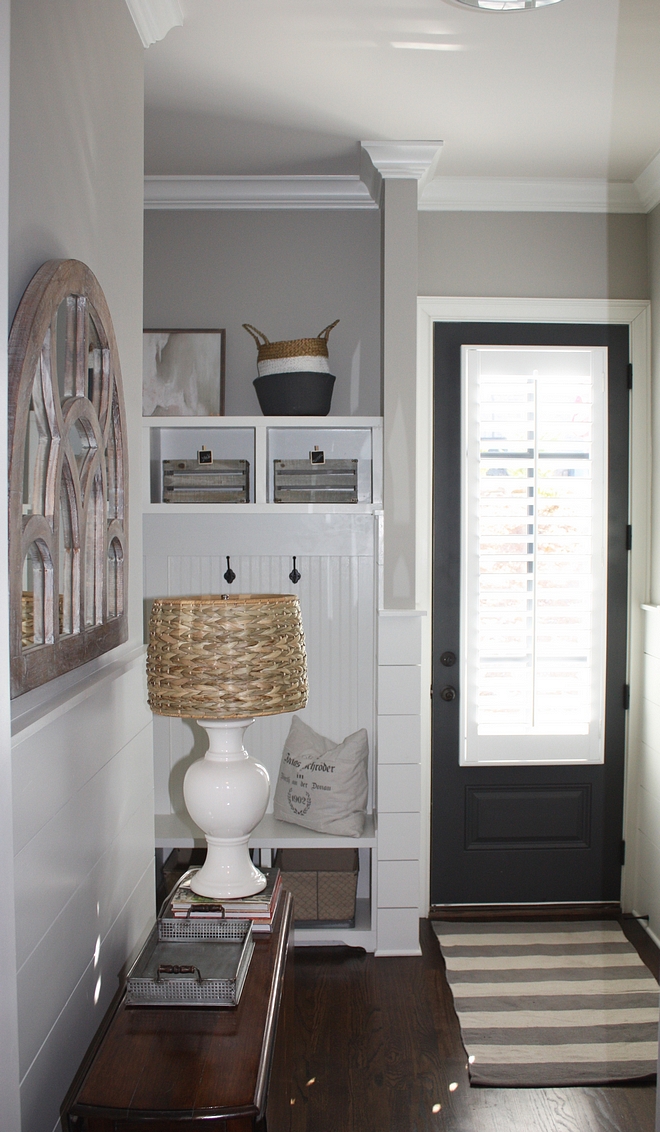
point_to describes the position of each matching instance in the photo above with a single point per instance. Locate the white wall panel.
(652, 633)
(399, 788)
(649, 769)
(272, 533)
(649, 817)
(398, 837)
(93, 909)
(52, 763)
(645, 883)
(652, 679)
(651, 724)
(399, 638)
(57, 860)
(399, 689)
(398, 884)
(44, 1086)
(399, 738)
(398, 931)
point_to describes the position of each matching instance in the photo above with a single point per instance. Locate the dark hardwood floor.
(377, 1046)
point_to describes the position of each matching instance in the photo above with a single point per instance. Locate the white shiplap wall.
(646, 893)
(400, 817)
(84, 870)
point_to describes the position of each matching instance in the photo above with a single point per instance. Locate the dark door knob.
(448, 694)
(448, 659)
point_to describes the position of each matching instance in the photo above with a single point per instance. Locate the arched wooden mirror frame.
(68, 478)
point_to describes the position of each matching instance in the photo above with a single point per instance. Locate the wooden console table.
(180, 1069)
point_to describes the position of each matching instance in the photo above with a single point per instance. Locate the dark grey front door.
(536, 833)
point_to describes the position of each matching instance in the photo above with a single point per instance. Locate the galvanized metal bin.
(300, 481)
(191, 972)
(221, 481)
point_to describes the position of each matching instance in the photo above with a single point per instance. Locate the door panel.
(539, 833)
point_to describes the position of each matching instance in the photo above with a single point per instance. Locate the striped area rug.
(548, 1004)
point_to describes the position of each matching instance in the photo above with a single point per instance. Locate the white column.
(400, 814)
(404, 167)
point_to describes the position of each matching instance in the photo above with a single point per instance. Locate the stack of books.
(260, 908)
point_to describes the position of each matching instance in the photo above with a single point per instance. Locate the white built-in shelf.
(259, 440)
(259, 508)
(362, 935)
(174, 831)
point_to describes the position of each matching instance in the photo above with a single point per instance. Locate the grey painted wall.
(654, 290)
(533, 254)
(287, 273)
(82, 760)
(9, 1073)
(400, 219)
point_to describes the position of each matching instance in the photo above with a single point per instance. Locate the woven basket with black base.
(294, 376)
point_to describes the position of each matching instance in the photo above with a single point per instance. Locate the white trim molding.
(509, 194)
(414, 160)
(648, 184)
(154, 18)
(535, 194)
(333, 192)
(636, 315)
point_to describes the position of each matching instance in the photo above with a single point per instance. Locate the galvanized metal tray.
(191, 972)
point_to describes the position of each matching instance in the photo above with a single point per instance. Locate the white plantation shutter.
(534, 510)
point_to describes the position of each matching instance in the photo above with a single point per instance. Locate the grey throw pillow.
(323, 785)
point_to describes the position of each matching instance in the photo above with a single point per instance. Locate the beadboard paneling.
(336, 594)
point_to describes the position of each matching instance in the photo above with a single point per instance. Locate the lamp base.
(226, 794)
(228, 872)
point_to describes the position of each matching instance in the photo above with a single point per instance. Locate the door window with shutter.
(533, 558)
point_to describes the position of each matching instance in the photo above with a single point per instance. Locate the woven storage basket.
(323, 883)
(226, 657)
(306, 355)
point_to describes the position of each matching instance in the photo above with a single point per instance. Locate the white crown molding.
(305, 192)
(504, 194)
(413, 160)
(154, 18)
(648, 184)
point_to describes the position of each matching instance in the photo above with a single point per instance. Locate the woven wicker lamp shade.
(222, 660)
(226, 657)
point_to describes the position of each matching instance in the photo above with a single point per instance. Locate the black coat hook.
(295, 575)
(229, 574)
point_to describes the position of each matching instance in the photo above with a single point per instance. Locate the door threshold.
(606, 910)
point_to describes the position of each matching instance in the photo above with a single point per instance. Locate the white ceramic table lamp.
(223, 660)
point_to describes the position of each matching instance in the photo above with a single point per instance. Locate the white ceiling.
(292, 86)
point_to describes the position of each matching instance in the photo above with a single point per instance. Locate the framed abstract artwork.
(183, 373)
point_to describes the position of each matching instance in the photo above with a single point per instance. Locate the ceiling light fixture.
(507, 5)
(428, 46)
